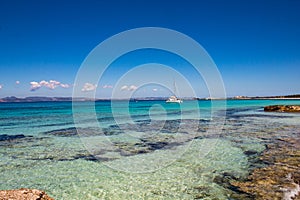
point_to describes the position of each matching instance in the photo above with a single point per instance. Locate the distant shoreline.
(82, 99)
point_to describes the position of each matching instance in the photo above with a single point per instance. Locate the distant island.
(40, 99)
(293, 96)
(55, 99)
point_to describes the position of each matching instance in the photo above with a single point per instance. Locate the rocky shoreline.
(282, 108)
(280, 178)
(24, 194)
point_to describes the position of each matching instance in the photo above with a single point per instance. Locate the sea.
(136, 149)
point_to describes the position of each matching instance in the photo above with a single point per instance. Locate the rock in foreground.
(282, 108)
(280, 178)
(24, 194)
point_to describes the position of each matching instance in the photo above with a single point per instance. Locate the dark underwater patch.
(4, 137)
(19, 140)
(85, 132)
(67, 132)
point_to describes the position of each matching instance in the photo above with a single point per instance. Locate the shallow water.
(140, 150)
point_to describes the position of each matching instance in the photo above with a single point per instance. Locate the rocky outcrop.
(24, 194)
(282, 108)
(280, 178)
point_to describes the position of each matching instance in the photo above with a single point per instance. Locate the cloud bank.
(52, 84)
(88, 87)
(129, 88)
(107, 86)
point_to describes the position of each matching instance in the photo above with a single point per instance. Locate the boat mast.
(175, 90)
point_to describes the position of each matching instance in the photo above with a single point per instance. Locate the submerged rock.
(66, 132)
(250, 152)
(5, 137)
(73, 131)
(13, 140)
(280, 178)
(24, 194)
(282, 108)
(112, 130)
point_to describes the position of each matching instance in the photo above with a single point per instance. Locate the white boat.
(173, 98)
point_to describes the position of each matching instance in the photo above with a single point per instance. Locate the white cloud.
(1, 86)
(88, 87)
(52, 84)
(124, 87)
(133, 87)
(34, 86)
(129, 88)
(64, 85)
(17, 82)
(107, 86)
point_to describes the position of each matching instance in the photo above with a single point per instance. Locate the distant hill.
(49, 99)
(38, 99)
(288, 96)
(293, 96)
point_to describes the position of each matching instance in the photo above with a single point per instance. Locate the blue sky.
(255, 44)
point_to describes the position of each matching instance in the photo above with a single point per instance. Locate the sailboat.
(173, 98)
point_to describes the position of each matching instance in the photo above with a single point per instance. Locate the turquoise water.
(135, 150)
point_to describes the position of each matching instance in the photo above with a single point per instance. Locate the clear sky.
(254, 43)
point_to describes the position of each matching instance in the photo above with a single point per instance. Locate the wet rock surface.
(280, 178)
(282, 108)
(24, 194)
